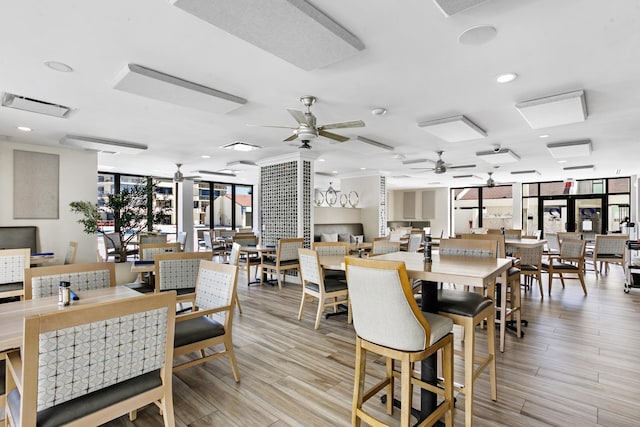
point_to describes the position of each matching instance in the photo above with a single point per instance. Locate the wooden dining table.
(12, 314)
(469, 271)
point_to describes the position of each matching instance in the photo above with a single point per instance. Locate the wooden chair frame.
(158, 281)
(278, 268)
(563, 258)
(162, 248)
(234, 259)
(604, 256)
(72, 250)
(57, 270)
(22, 366)
(380, 247)
(315, 275)
(224, 339)
(24, 253)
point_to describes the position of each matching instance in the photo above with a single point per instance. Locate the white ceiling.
(412, 65)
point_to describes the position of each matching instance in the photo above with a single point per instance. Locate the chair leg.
(238, 301)
(301, 306)
(491, 351)
(405, 391)
(232, 358)
(550, 280)
(469, 354)
(390, 385)
(279, 282)
(584, 287)
(447, 373)
(358, 383)
(319, 313)
(539, 276)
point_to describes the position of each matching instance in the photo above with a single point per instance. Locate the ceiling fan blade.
(271, 126)
(291, 138)
(461, 166)
(333, 136)
(340, 125)
(299, 116)
(192, 177)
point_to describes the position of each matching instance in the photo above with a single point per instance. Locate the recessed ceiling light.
(24, 128)
(477, 35)
(58, 66)
(544, 136)
(363, 169)
(379, 111)
(562, 161)
(334, 171)
(506, 77)
(321, 160)
(204, 156)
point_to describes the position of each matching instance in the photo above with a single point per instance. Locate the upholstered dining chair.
(70, 255)
(234, 259)
(531, 265)
(149, 250)
(470, 309)
(178, 271)
(43, 282)
(112, 245)
(569, 261)
(389, 323)
(150, 238)
(210, 323)
(332, 249)
(414, 243)
(609, 249)
(75, 365)
(285, 258)
(316, 285)
(210, 245)
(380, 247)
(13, 264)
(574, 235)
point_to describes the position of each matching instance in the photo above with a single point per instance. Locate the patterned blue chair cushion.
(92, 402)
(195, 330)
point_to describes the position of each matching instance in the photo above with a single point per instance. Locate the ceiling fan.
(178, 176)
(441, 166)
(307, 128)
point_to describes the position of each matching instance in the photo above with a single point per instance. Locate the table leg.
(429, 366)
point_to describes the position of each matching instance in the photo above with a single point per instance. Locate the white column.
(184, 205)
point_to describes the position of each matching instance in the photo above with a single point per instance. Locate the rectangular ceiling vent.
(416, 161)
(221, 173)
(454, 129)
(293, 30)
(561, 150)
(34, 105)
(451, 7)
(554, 110)
(526, 172)
(325, 174)
(106, 146)
(498, 157)
(576, 168)
(174, 90)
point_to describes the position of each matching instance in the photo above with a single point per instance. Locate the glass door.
(588, 217)
(573, 213)
(554, 216)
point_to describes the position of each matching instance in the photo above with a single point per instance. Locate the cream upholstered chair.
(470, 309)
(210, 324)
(72, 250)
(414, 243)
(569, 261)
(380, 247)
(102, 382)
(13, 263)
(234, 259)
(315, 285)
(332, 249)
(178, 271)
(609, 249)
(286, 258)
(43, 282)
(247, 260)
(389, 323)
(553, 244)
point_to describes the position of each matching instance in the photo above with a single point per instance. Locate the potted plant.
(130, 209)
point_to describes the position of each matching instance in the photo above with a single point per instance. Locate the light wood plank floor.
(578, 365)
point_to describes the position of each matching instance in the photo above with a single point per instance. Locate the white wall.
(78, 171)
(440, 220)
(368, 189)
(335, 215)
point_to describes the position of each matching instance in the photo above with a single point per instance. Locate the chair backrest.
(468, 247)
(215, 288)
(415, 240)
(499, 238)
(245, 240)
(288, 248)
(227, 234)
(129, 338)
(572, 248)
(552, 242)
(310, 269)
(380, 247)
(206, 236)
(513, 234)
(13, 263)
(534, 233)
(146, 239)
(43, 282)
(396, 235)
(182, 238)
(610, 244)
(375, 239)
(148, 251)
(331, 248)
(111, 241)
(531, 256)
(234, 256)
(384, 309)
(178, 270)
(574, 235)
(478, 230)
(72, 250)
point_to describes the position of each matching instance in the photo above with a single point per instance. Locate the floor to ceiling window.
(482, 207)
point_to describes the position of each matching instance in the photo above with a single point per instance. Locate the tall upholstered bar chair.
(316, 285)
(97, 380)
(389, 323)
(470, 309)
(286, 258)
(13, 263)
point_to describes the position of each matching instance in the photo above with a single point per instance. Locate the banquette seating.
(337, 232)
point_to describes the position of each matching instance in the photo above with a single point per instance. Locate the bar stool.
(389, 323)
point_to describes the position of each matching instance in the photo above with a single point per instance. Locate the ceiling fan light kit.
(453, 129)
(498, 157)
